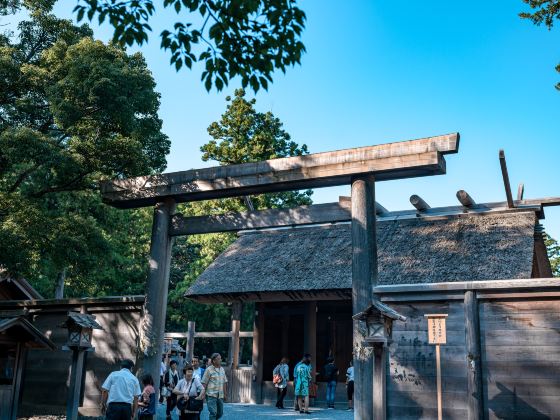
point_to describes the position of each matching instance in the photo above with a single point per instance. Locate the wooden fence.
(511, 371)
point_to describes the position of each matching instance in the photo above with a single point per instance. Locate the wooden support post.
(364, 278)
(310, 334)
(379, 382)
(18, 381)
(505, 176)
(190, 340)
(418, 203)
(155, 306)
(258, 350)
(234, 340)
(474, 368)
(75, 388)
(465, 199)
(285, 334)
(438, 379)
(520, 191)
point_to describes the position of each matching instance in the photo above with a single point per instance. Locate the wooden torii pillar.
(359, 167)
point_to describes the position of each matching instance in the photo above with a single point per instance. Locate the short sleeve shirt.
(350, 373)
(214, 380)
(122, 386)
(183, 387)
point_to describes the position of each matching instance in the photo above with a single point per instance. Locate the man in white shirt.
(120, 393)
(197, 370)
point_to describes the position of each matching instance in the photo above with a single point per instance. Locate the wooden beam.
(318, 214)
(387, 161)
(474, 367)
(505, 177)
(347, 201)
(520, 191)
(209, 334)
(418, 203)
(465, 199)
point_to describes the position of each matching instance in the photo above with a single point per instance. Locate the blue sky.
(382, 71)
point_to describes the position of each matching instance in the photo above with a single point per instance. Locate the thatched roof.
(424, 250)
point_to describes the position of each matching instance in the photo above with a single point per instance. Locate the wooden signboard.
(437, 336)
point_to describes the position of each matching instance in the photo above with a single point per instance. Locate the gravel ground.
(252, 411)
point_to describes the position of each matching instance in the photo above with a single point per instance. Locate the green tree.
(248, 39)
(544, 11)
(241, 135)
(553, 251)
(73, 111)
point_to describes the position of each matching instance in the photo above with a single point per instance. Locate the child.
(147, 402)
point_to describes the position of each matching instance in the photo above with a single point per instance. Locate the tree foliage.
(544, 11)
(249, 39)
(73, 111)
(553, 251)
(241, 135)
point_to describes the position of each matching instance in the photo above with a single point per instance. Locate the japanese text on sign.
(436, 329)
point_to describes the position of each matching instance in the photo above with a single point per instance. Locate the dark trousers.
(171, 404)
(280, 394)
(118, 411)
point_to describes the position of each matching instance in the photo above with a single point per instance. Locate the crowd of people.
(184, 388)
(186, 385)
(305, 385)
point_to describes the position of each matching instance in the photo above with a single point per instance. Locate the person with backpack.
(147, 401)
(330, 373)
(280, 378)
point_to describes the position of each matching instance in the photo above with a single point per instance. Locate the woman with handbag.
(187, 391)
(280, 378)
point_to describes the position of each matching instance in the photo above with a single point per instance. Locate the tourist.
(350, 385)
(147, 402)
(281, 376)
(197, 370)
(330, 373)
(120, 392)
(214, 382)
(189, 386)
(302, 378)
(171, 380)
(162, 369)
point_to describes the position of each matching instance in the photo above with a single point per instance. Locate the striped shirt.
(214, 380)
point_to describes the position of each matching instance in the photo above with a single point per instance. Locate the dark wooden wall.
(521, 358)
(519, 326)
(46, 375)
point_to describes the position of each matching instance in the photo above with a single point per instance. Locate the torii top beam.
(405, 159)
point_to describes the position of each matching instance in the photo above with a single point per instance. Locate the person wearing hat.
(120, 392)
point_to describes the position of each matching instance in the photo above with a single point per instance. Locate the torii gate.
(360, 167)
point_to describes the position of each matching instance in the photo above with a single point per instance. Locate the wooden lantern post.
(376, 321)
(80, 334)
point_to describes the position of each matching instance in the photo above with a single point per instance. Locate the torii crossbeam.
(360, 167)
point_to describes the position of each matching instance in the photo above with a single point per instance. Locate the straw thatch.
(460, 248)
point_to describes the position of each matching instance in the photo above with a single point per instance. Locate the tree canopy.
(249, 39)
(73, 111)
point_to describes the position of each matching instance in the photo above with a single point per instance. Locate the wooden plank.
(520, 354)
(534, 337)
(520, 307)
(541, 387)
(415, 338)
(416, 412)
(389, 161)
(419, 369)
(426, 384)
(514, 371)
(451, 400)
(470, 285)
